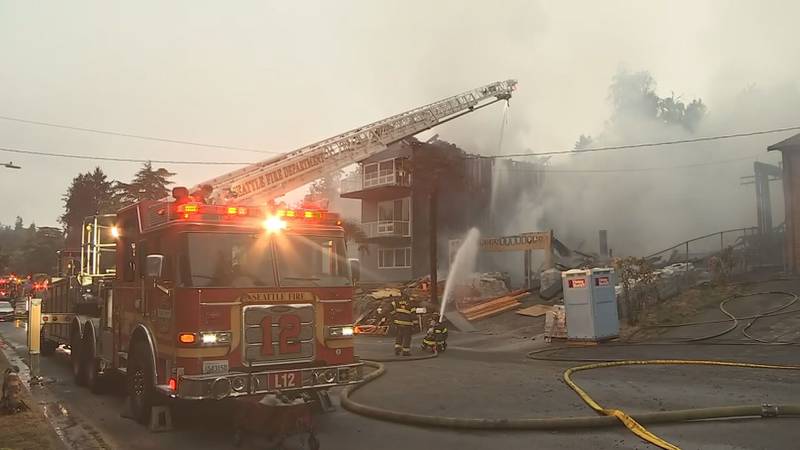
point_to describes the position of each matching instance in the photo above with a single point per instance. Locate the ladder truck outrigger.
(222, 294)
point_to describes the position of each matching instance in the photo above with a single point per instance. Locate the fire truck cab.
(214, 302)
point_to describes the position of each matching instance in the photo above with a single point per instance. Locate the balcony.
(384, 183)
(387, 229)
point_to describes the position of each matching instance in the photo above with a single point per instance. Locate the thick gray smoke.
(648, 198)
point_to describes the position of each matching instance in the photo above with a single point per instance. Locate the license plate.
(220, 366)
(285, 380)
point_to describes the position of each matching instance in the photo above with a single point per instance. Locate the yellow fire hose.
(629, 421)
(609, 418)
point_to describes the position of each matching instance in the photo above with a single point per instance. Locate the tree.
(324, 190)
(147, 184)
(353, 232)
(634, 99)
(89, 194)
(39, 254)
(633, 95)
(18, 224)
(583, 142)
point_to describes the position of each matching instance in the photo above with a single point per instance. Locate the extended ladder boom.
(274, 177)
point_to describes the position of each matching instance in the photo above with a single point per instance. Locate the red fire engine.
(205, 297)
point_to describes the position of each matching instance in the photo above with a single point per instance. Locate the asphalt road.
(473, 380)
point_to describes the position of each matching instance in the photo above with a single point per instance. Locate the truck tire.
(76, 357)
(91, 369)
(139, 383)
(46, 346)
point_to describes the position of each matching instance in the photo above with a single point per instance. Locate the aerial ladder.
(274, 177)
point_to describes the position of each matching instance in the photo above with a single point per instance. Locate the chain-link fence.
(712, 257)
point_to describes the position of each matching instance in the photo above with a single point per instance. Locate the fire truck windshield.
(227, 260)
(312, 261)
(246, 260)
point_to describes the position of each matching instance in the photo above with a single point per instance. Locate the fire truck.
(218, 293)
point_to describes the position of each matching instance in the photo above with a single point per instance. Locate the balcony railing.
(359, 182)
(387, 228)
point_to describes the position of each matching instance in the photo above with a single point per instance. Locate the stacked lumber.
(494, 306)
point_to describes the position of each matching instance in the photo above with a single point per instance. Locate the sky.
(279, 75)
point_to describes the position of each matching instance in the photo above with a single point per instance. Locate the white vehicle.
(6, 311)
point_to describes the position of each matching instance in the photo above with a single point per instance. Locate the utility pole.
(433, 210)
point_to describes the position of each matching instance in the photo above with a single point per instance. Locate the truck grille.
(275, 334)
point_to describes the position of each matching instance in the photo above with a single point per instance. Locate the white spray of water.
(463, 265)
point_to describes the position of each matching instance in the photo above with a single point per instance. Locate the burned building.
(790, 150)
(395, 189)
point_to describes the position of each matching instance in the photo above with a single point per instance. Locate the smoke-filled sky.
(279, 75)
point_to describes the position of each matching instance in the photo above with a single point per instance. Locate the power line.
(648, 144)
(109, 158)
(570, 152)
(135, 136)
(633, 169)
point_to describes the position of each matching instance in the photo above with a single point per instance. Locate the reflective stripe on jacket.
(401, 311)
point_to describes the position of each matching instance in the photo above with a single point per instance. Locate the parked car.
(6, 311)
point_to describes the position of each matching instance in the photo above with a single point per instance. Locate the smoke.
(279, 76)
(647, 198)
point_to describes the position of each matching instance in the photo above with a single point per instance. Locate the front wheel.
(139, 383)
(76, 357)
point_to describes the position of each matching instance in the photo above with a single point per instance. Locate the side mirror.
(155, 266)
(355, 270)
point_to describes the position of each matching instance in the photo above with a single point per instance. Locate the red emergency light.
(310, 215)
(218, 213)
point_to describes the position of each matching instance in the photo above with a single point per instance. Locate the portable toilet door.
(578, 304)
(604, 302)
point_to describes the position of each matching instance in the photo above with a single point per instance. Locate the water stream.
(463, 265)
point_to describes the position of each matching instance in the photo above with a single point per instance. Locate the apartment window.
(394, 216)
(370, 175)
(380, 173)
(394, 258)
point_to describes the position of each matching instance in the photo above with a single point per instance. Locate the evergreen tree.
(89, 194)
(147, 184)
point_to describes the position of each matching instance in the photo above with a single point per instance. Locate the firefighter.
(436, 338)
(203, 194)
(403, 320)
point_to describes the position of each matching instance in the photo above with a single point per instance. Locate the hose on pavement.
(609, 417)
(550, 423)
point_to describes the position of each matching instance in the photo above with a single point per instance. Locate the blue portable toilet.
(590, 304)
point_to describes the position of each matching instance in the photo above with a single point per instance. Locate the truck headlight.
(215, 337)
(342, 331)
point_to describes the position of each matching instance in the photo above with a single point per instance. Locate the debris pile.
(11, 401)
(555, 324)
(479, 288)
(550, 284)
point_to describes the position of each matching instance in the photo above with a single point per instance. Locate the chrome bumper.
(237, 384)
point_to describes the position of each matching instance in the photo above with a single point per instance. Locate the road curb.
(69, 430)
(8, 356)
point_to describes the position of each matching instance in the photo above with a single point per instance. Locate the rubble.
(479, 291)
(555, 324)
(550, 284)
